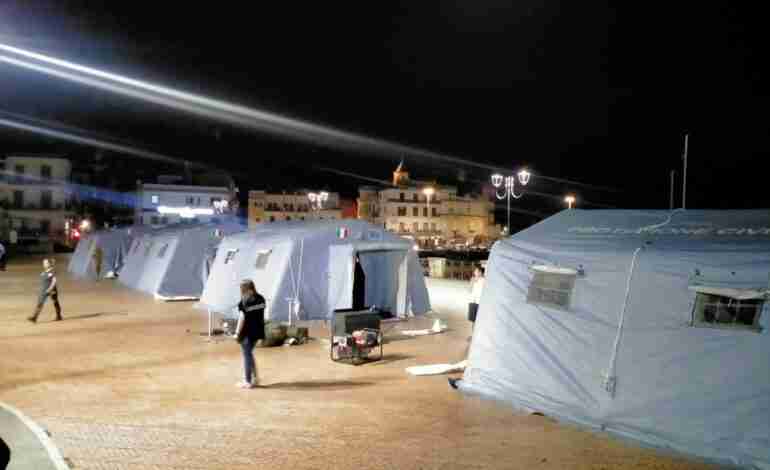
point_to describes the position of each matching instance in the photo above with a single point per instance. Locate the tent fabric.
(308, 263)
(701, 391)
(114, 244)
(170, 263)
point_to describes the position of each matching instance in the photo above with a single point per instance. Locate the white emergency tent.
(114, 244)
(172, 263)
(675, 355)
(311, 265)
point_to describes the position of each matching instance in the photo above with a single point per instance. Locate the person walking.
(477, 286)
(48, 288)
(2, 257)
(250, 329)
(97, 259)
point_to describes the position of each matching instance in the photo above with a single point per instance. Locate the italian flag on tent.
(343, 232)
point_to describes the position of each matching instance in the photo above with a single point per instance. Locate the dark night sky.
(584, 92)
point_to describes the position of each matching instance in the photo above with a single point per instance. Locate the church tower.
(401, 176)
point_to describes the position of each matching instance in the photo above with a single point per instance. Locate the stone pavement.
(30, 448)
(127, 382)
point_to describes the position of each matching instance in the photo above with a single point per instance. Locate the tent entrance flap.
(341, 271)
(384, 279)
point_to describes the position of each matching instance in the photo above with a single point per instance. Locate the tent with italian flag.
(307, 269)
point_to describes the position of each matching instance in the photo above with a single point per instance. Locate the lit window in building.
(155, 199)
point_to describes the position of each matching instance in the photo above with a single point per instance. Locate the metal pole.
(509, 212)
(684, 182)
(671, 197)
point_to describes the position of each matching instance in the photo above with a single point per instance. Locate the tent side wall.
(672, 387)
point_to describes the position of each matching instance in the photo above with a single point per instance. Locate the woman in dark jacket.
(250, 329)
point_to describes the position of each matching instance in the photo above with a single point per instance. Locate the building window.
(425, 212)
(415, 227)
(401, 197)
(414, 197)
(19, 170)
(415, 211)
(154, 220)
(727, 308)
(433, 226)
(551, 286)
(45, 227)
(45, 171)
(46, 198)
(433, 212)
(425, 226)
(402, 211)
(18, 199)
(154, 198)
(400, 226)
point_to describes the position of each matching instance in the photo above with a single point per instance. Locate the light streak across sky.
(236, 114)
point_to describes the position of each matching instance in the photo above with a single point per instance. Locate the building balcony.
(14, 180)
(420, 233)
(412, 201)
(36, 207)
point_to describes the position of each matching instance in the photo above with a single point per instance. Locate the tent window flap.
(262, 258)
(230, 256)
(551, 286)
(727, 308)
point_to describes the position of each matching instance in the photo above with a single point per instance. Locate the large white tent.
(172, 263)
(651, 325)
(114, 244)
(308, 268)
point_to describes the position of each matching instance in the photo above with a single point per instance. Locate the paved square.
(127, 382)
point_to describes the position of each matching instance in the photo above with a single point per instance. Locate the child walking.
(48, 288)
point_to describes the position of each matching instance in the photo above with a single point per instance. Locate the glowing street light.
(317, 200)
(428, 192)
(508, 185)
(570, 200)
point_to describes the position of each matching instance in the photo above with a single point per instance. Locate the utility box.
(346, 321)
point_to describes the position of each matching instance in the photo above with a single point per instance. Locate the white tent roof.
(312, 262)
(627, 357)
(171, 263)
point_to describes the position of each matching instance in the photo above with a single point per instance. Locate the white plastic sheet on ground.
(437, 369)
(702, 391)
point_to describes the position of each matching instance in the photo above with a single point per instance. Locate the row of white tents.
(651, 325)
(305, 269)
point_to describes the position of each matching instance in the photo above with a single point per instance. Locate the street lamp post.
(428, 192)
(508, 183)
(570, 200)
(317, 200)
